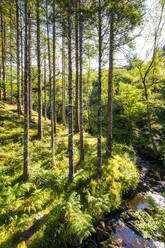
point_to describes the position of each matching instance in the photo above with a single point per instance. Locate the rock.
(102, 235)
(109, 228)
(102, 225)
(119, 243)
(159, 244)
(39, 216)
(158, 199)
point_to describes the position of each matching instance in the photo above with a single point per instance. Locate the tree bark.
(11, 57)
(39, 75)
(26, 102)
(3, 38)
(50, 89)
(88, 96)
(77, 121)
(29, 64)
(18, 61)
(45, 102)
(70, 144)
(99, 145)
(63, 79)
(1, 65)
(22, 65)
(110, 89)
(54, 64)
(81, 85)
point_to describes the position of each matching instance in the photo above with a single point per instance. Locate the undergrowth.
(48, 211)
(151, 223)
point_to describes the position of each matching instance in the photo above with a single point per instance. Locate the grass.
(47, 210)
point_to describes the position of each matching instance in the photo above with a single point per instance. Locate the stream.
(118, 229)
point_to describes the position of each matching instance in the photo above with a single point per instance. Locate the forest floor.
(47, 210)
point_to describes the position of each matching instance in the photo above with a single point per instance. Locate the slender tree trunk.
(50, 89)
(0, 81)
(1, 64)
(70, 144)
(26, 101)
(99, 146)
(3, 38)
(77, 123)
(81, 85)
(63, 79)
(29, 64)
(18, 61)
(88, 96)
(54, 64)
(110, 89)
(4, 75)
(11, 56)
(45, 111)
(39, 75)
(22, 72)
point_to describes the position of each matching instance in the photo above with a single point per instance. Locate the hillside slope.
(47, 210)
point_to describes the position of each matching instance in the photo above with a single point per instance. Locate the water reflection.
(130, 238)
(137, 203)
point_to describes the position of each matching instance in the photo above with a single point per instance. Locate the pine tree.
(99, 145)
(26, 100)
(70, 144)
(81, 83)
(54, 64)
(110, 88)
(77, 121)
(39, 74)
(11, 56)
(50, 88)
(63, 78)
(29, 63)
(18, 60)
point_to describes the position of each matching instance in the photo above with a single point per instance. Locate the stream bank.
(118, 229)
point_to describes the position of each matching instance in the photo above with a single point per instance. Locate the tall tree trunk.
(63, 79)
(88, 95)
(3, 38)
(26, 101)
(99, 146)
(2, 57)
(81, 85)
(11, 56)
(1, 64)
(22, 71)
(50, 88)
(54, 64)
(18, 61)
(39, 75)
(29, 64)
(70, 144)
(4, 74)
(0, 81)
(0, 77)
(45, 110)
(77, 123)
(110, 89)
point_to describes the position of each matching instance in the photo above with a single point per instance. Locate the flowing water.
(122, 231)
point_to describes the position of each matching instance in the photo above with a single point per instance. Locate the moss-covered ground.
(47, 210)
